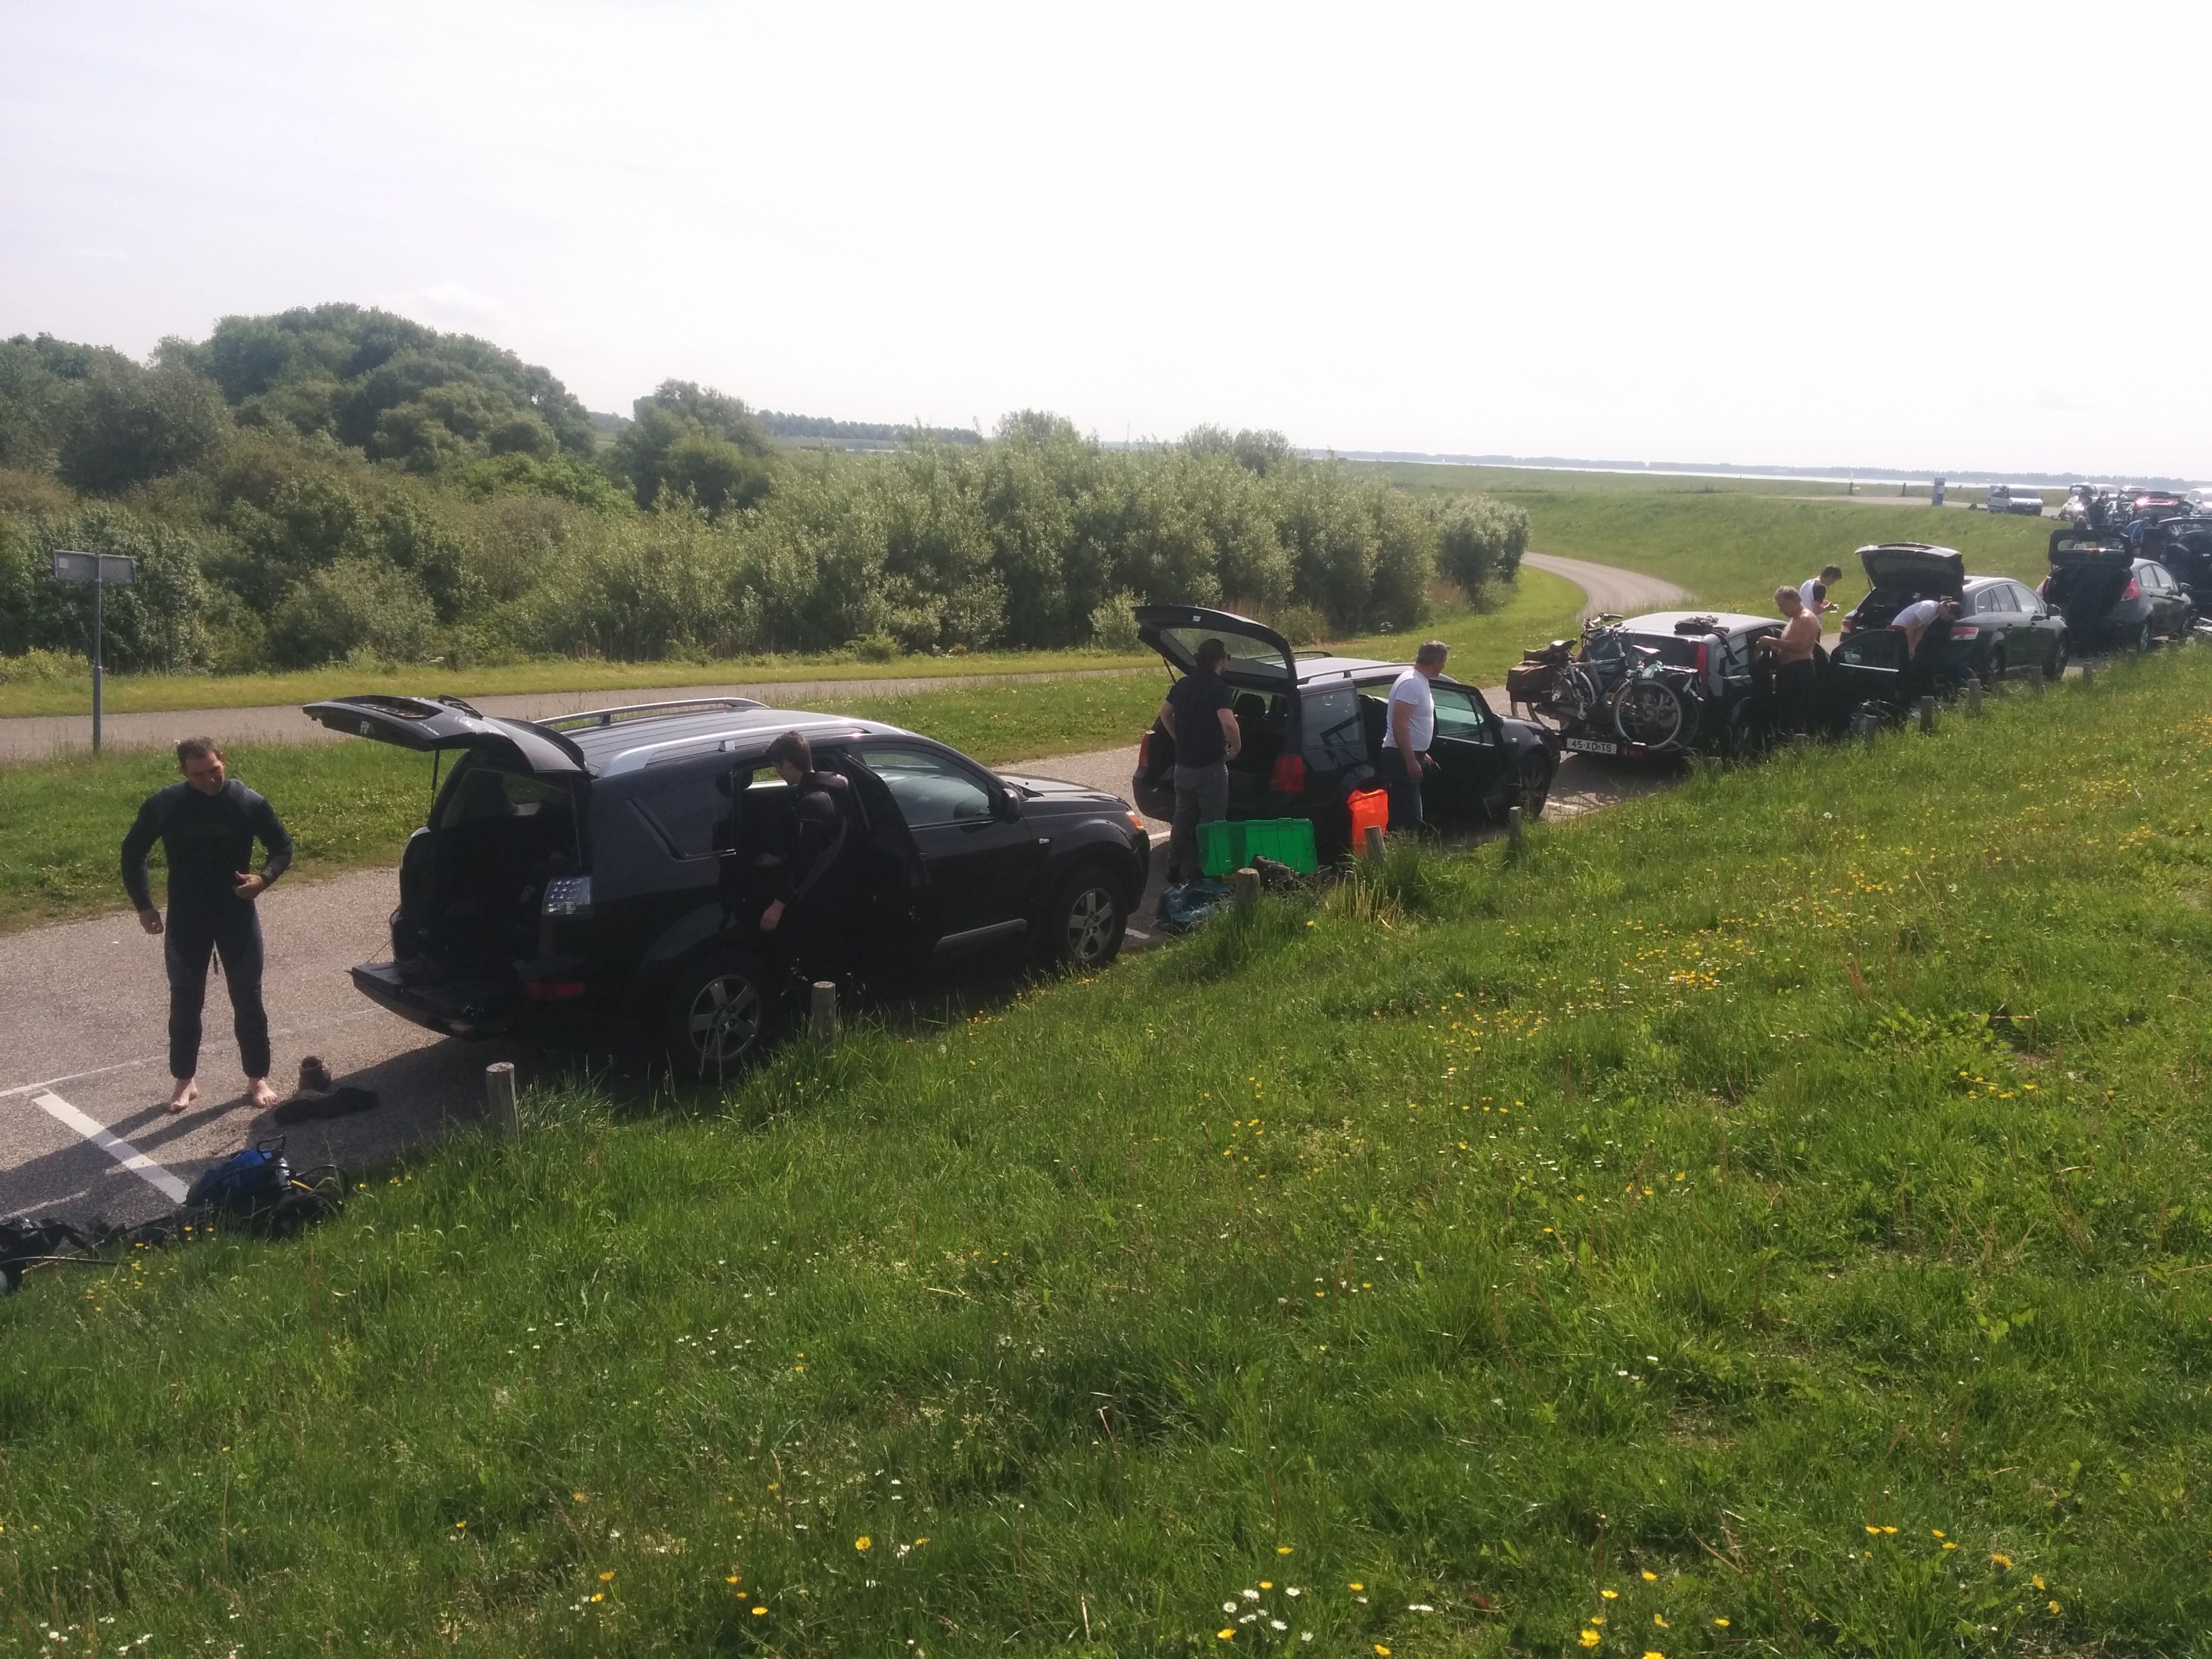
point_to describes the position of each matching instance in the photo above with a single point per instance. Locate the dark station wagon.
(597, 872)
(1312, 726)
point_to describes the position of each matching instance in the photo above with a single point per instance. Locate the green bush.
(1114, 624)
(354, 605)
(1478, 541)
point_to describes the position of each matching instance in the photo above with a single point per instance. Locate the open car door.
(447, 723)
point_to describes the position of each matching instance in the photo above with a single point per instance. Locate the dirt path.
(1609, 588)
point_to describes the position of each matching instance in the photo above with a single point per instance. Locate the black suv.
(1312, 725)
(596, 869)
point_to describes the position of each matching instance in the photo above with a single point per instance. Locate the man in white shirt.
(1813, 590)
(1913, 620)
(1407, 732)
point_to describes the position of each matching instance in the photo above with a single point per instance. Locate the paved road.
(33, 736)
(1605, 587)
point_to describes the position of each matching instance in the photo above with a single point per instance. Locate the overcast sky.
(1928, 235)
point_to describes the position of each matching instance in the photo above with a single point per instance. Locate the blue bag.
(245, 1184)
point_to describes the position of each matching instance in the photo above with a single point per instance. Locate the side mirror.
(1005, 805)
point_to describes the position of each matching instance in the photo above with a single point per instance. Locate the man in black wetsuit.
(809, 916)
(207, 825)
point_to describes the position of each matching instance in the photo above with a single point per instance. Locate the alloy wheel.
(1090, 925)
(724, 1020)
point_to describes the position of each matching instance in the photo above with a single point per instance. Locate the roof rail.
(644, 710)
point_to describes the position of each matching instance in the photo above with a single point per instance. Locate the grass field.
(1732, 541)
(1761, 1219)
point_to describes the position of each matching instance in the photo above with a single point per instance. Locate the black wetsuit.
(812, 933)
(208, 840)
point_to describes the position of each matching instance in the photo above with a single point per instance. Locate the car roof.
(632, 743)
(1725, 621)
(1322, 668)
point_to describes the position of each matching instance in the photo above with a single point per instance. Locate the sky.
(1952, 237)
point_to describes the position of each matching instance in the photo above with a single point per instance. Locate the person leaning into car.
(1407, 735)
(808, 917)
(1199, 720)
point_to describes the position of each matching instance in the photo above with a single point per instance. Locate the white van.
(2016, 498)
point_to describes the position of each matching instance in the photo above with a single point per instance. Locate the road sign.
(103, 571)
(108, 569)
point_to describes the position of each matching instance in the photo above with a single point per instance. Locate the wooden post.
(2035, 683)
(2088, 674)
(1374, 841)
(499, 1100)
(1513, 827)
(1247, 881)
(1973, 700)
(1928, 714)
(821, 1012)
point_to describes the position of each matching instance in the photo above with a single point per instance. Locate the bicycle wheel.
(1649, 711)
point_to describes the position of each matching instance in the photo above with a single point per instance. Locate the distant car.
(1312, 726)
(2004, 627)
(2016, 498)
(2111, 598)
(2200, 503)
(599, 871)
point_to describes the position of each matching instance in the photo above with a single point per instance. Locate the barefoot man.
(207, 825)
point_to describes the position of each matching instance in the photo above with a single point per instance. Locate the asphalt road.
(34, 737)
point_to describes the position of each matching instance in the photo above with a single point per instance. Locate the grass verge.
(1761, 1218)
(1732, 543)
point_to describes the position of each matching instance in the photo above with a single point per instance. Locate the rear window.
(1332, 718)
(479, 790)
(1678, 650)
(687, 809)
(1248, 658)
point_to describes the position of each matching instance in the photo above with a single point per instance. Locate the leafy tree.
(155, 625)
(356, 605)
(1478, 541)
(695, 439)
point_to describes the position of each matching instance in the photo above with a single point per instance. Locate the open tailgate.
(1257, 654)
(424, 724)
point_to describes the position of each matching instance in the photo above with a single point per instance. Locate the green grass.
(1731, 543)
(150, 693)
(1710, 1213)
(1538, 607)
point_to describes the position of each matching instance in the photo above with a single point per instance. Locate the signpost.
(103, 571)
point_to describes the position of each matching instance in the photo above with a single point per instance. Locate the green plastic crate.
(1232, 844)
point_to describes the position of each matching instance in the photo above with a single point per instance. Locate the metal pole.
(99, 624)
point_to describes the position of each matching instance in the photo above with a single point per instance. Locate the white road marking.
(121, 1150)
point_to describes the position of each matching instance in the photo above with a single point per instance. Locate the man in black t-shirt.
(1198, 717)
(809, 920)
(207, 825)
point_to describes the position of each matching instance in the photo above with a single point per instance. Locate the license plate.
(1590, 745)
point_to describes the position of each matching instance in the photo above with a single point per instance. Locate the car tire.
(2056, 670)
(723, 1012)
(1534, 783)
(1084, 926)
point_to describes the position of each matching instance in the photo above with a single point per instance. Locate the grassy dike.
(1761, 1218)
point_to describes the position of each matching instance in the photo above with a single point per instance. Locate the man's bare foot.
(187, 1092)
(258, 1092)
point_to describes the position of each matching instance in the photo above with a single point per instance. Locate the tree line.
(341, 483)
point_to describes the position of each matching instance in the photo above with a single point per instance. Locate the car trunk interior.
(2085, 586)
(469, 897)
(1263, 718)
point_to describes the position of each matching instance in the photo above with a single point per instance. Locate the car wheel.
(1534, 783)
(721, 1015)
(2057, 669)
(1084, 923)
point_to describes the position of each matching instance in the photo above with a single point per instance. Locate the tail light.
(553, 990)
(1965, 630)
(1288, 777)
(568, 895)
(1701, 659)
(2132, 590)
(1145, 752)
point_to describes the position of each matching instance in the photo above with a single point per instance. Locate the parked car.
(2016, 498)
(2112, 598)
(1312, 726)
(2002, 627)
(1671, 683)
(2184, 546)
(593, 872)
